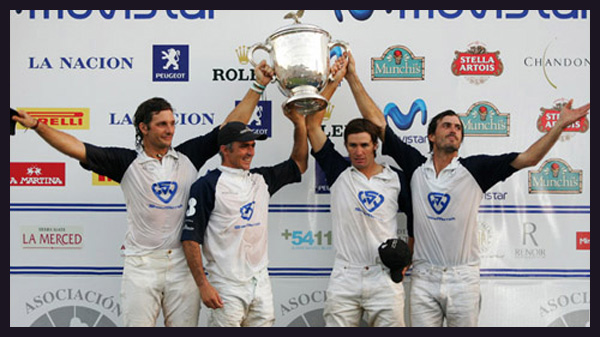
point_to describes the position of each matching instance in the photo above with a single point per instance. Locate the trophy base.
(307, 101)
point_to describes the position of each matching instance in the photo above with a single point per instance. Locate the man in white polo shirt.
(228, 215)
(446, 193)
(365, 199)
(155, 179)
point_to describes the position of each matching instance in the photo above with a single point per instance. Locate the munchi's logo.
(398, 63)
(548, 117)
(60, 118)
(477, 64)
(555, 176)
(483, 119)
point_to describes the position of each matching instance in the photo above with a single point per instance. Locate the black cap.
(395, 254)
(237, 132)
(13, 124)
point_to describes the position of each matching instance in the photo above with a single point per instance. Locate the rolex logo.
(328, 112)
(242, 54)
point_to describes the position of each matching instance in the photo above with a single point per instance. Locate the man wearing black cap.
(155, 180)
(228, 215)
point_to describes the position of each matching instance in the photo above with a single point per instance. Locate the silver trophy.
(300, 54)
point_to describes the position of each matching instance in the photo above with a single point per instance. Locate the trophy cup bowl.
(300, 55)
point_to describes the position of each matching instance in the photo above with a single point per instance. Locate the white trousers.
(161, 279)
(248, 304)
(357, 290)
(444, 292)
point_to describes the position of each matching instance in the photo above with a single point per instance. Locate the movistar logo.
(404, 121)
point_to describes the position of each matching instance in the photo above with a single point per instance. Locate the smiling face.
(238, 154)
(158, 134)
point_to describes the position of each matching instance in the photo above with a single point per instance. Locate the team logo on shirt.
(247, 211)
(438, 201)
(370, 199)
(164, 190)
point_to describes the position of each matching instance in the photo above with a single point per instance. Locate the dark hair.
(144, 114)
(359, 125)
(434, 123)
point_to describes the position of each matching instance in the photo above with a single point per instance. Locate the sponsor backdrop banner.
(507, 72)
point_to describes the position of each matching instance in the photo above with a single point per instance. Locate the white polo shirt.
(156, 192)
(364, 211)
(446, 206)
(228, 215)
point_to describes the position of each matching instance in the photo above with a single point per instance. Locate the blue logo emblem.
(402, 121)
(164, 190)
(247, 211)
(438, 201)
(260, 122)
(171, 63)
(370, 199)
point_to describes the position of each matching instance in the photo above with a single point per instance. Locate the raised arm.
(59, 140)
(300, 149)
(316, 135)
(534, 154)
(366, 105)
(243, 111)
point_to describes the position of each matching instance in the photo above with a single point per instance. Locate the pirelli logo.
(100, 180)
(61, 118)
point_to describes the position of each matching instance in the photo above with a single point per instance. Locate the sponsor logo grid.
(474, 66)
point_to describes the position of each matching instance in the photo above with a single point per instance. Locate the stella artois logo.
(548, 117)
(477, 64)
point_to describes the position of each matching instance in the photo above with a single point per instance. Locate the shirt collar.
(452, 166)
(231, 170)
(386, 174)
(146, 158)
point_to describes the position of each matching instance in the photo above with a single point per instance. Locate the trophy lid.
(298, 28)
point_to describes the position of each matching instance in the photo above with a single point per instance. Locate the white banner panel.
(507, 72)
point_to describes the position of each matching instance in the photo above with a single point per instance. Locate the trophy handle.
(337, 43)
(256, 46)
